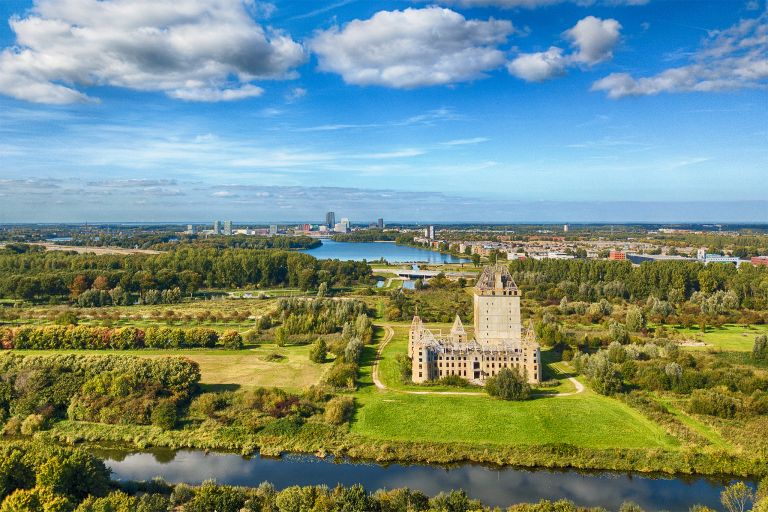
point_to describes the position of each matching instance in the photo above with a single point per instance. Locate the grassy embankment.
(584, 420)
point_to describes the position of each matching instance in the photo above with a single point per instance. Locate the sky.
(457, 110)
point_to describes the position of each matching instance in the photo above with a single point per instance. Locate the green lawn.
(233, 369)
(586, 419)
(728, 337)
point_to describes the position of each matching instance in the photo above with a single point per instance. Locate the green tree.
(318, 351)
(220, 498)
(635, 320)
(164, 415)
(760, 348)
(508, 384)
(737, 497)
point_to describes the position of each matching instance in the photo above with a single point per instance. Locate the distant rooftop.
(496, 277)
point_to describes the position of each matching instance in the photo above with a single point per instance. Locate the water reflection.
(495, 486)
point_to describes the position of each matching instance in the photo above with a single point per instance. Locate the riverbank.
(324, 440)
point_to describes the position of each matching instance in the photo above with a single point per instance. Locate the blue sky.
(474, 110)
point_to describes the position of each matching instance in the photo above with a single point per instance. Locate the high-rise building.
(330, 219)
(191, 229)
(272, 229)
(216, 227)
(565, 228)
(429, 232)
(228, 227)
(345, 223)
(380, 223)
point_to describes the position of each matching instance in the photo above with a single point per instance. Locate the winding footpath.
(380, 385)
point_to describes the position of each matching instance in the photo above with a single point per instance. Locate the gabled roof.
(495, 277)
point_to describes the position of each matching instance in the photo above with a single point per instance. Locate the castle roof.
(496, 277)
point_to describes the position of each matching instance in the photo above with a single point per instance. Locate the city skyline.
(493, 110)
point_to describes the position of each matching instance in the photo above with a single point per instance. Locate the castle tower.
(497, 307)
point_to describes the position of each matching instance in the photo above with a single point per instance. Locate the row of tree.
(55, 337)
(58, 274)
(674, 281)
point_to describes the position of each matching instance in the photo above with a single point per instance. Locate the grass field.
(728, 337)
(586, 419)
(235, 369)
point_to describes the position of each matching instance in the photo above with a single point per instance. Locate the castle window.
(419, 374)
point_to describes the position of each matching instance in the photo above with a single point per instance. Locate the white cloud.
(465, 142)
(192, 49)
(539, 66)
(295, 94)
(412, 48)
(213, 94)
(532, 4)
(734, 58)
(593, 40)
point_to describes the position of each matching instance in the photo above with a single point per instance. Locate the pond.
(374, 251)
(493, 485)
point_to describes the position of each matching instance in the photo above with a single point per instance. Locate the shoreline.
(322, 441)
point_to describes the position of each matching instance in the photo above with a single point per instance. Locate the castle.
(498, 341)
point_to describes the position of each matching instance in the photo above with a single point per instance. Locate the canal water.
(494, 486)
(374, 251)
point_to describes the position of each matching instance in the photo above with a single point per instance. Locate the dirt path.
(380, 385)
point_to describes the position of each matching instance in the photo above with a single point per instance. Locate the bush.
(318, 351)
(221, 498)
(339, 410)
(164, 415)
(509, 384)
(231, 340)
(713, 403)
(342, 375)
(33, 423)
(452, 380)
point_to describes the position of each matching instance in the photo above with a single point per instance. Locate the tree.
(101, 283)
(476, 260)
(635, 320)
(322, 290)
(760, 349)
(318, 351)
(508, 384)
(736, 497)
(78, 286)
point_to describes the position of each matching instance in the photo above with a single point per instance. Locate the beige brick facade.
(498, 343)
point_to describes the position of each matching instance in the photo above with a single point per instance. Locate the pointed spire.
(458, 327)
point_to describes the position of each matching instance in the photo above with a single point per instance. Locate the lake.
(494, 486)
(373, 251)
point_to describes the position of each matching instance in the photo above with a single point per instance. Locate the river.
(494, 486)
(374, 251)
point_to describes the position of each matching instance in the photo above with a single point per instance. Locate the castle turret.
(458, 334)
